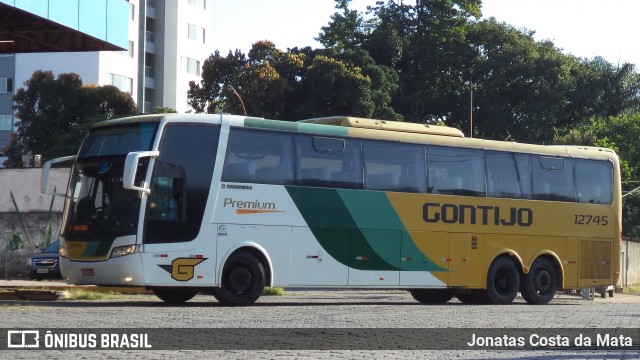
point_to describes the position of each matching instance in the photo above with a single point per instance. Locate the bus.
(225, 205)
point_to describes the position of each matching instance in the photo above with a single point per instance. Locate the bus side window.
(594, 181)
(244, 171)
(553, 179)
(394, 166)
(328, 162)
(454, 171)
(263, 157)
(165, 199)
(508, 175)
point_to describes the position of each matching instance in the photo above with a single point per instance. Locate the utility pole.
(470, 110)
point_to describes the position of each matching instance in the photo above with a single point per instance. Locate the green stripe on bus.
(296, 127)
(335, 229)
(374, 214)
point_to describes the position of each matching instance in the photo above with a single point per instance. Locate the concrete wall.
(34, 217)
(25, 186)
(35, 221)
(630, 262)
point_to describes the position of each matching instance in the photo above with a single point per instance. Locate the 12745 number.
(591, 220)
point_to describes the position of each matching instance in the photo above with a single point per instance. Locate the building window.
(195, 33)
(6, 85)
(6, 122)
(123, 83)
(191, 66)
(128, 52)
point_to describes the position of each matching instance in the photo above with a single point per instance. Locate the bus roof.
(399, 126)
(371, 129)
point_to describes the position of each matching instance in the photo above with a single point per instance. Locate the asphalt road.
(350, 311)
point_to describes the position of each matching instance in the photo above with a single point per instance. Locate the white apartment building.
(176, 42)
(168, 43)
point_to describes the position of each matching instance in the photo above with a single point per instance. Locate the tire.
(243, 279)
(540, 283)
(436, 296)
(503, 281)
(174, 296)
(473, 297)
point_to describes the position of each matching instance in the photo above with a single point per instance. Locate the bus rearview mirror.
(131, 167)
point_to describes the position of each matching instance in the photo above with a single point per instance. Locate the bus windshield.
(98, 206)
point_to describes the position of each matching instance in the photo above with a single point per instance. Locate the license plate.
(42, 271)
(87, 272)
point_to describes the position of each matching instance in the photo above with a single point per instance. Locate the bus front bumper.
(120, 271)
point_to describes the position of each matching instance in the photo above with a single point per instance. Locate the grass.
(273, 291)
(632, 289)
(82, 294)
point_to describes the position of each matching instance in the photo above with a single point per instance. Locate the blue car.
(45, 264)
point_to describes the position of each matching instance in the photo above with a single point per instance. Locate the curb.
(33, 295)
(53, 293)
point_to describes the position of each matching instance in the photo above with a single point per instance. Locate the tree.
(296, 84)
(334, 88)
(55, 113)
(164, 110)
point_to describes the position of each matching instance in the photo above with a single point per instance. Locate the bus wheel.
(174, 296)
(436, 296)
(243, 280)
(540, 283)
(503, 281)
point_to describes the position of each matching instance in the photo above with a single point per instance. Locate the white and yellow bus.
(226, 204)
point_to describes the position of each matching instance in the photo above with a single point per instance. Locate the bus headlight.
(125, 250)
(63, 251)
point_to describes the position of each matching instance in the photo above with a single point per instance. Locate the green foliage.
(83, 294)
(164, 110)
(423, 62)
(15, 242)
(13, 153)
(296, 84)
(523, 89)
(274, 291)
(55, 113)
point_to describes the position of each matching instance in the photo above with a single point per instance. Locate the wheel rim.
(542, 281)
(239, 280)
(503, 282)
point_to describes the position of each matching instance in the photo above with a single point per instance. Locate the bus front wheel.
(174, 296)
(503, 281)
(243, 280)
(540, 283)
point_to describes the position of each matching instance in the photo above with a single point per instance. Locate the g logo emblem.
(182, 268)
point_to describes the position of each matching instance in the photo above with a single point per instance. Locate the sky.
(583, 28)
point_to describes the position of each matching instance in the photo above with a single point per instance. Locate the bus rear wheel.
(503, 281)
(174, 296)
(435, 296)
(243, 280)
(540, 283)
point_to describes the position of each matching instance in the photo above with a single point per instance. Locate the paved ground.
(38, 290)
(392, 310)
